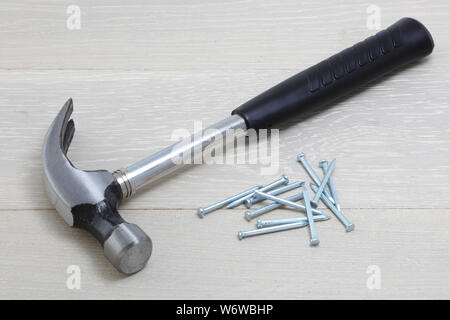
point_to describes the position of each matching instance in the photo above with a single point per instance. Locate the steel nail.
(203, 211)
(348, 225)
(314, 240)
(302, 159)
(286, 202)
(257, 212)
(254, 199)
(276, 222)
(250, 233)
(323, 184)
(324, 165)
(282, 181)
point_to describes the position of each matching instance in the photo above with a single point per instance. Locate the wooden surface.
(137, 70)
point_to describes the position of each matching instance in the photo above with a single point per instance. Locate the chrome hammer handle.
(167, 160)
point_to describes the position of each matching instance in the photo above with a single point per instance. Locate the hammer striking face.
(89, 199)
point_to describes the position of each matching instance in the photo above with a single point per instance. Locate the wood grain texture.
(201, 259)
(137, 70)
(195, 35)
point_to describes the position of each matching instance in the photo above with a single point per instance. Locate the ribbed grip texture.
(401, 43)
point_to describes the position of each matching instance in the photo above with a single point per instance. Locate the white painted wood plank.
(139, 69)
(203, 259)
(391, 141)
(196, 35)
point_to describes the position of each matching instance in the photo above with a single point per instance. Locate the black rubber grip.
(401, 43)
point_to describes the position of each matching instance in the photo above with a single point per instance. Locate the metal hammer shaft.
(167, 160)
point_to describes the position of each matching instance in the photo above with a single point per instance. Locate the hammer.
(90, 199)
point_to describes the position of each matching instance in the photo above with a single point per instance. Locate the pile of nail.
(323, 190)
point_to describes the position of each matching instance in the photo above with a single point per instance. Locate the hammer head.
(89, 199)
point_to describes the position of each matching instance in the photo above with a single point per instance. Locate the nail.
(348, 225)
(282, 181)
(314, 240)
(323, 184)
(251, 233)
(286, 202)
(255, 213)
(203, 211)
(302, 159)
(254, 199)
(270, 223)
(324, 165)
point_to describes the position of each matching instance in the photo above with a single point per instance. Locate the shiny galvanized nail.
(255, 213)
(302, 159)
(323, 184)
(285, 202)
(284, 180)
(324, 165)
(251, 233)
(254, 199)
(314, 240)
(276, 222)
(348, 225)
(203, 211)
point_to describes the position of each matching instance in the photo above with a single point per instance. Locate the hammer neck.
(187, 151)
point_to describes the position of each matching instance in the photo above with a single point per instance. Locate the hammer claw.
(89, 199)
(68, 135)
